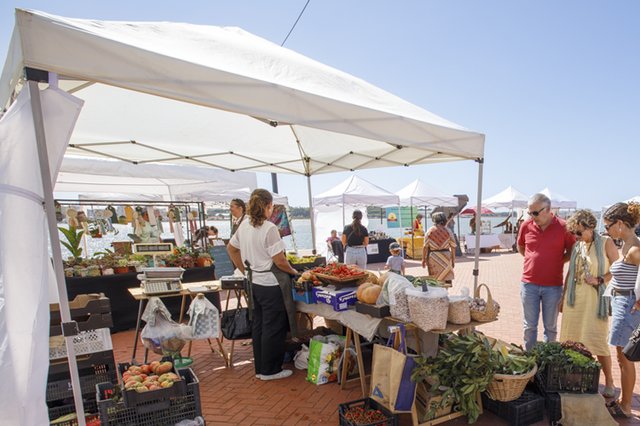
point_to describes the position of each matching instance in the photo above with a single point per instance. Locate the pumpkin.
(372, 278)
(361, 288)
(370, 294)
(383, 278)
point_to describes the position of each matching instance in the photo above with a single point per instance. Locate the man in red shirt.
(546, 245)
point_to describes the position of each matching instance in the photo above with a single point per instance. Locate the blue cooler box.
(340, 300)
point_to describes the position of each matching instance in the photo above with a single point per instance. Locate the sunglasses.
(536, 213)
(577, 233)
(609, 225)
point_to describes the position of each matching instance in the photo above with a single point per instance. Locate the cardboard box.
(340, 300)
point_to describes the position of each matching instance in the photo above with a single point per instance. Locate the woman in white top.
(257, 241)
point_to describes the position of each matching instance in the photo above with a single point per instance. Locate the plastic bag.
(161, 334)
(204, 318)
(429, 309)
(301, 359)
(324, 358)
(393, 292)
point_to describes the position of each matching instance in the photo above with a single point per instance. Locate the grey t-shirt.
(395, 263)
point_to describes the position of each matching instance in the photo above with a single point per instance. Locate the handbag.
(236, 323)
(631, 350)
(391, 372)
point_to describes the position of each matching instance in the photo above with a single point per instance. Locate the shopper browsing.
(395, 262)
(355, 238)
(258, 242)
(439, 251)
(546, 245)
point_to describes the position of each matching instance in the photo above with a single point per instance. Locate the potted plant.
(106, 260)
(122, 266)
(204, 260)
(74, 239)
(138, 261)
(463, 368)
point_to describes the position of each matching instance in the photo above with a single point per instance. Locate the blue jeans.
(533, 296)
(356, 256)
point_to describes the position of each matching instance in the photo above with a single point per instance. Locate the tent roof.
(559, 201)
(508, 198)
(225, 197)
(419, 193)
(86, 175)
(356, 191)
(249, 104)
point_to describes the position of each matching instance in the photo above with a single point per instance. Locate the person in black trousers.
(257, 243)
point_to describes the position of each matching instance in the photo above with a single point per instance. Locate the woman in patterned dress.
(439, 251)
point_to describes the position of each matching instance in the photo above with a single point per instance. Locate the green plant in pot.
(122, 266)
(462, 369)
(74, 239)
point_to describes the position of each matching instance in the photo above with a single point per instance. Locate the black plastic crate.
(60, 389)
(158, 398)
(553, 406)
(526, 410)
(114, 412)
(89, 364)
(90, 311)
(66, 406)
(557, 378)
(376, 311)
(367, 403)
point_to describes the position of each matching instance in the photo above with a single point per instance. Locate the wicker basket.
(507, 387)
(491, 311)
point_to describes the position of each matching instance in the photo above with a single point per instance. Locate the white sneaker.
(280, 375)
(258, 376)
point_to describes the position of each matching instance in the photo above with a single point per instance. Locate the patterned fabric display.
(204, 319)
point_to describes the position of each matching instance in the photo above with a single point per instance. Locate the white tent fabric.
(332, 217)
(27, 282)
(418, 193)
(225, 197)
(264, 99)
(355, 191)
(111, 196)
(90, 175)
(509, 198)
(559, 201)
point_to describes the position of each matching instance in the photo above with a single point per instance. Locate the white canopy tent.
(559, 201)
(509, 198)
(225, 197)
(247, 104)
(337, 204)
(418, 193)
(90, 175)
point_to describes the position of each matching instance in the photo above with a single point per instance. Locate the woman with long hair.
(257, 243)
(439, 251)
(355, 238)
(585, 308)
(620, 221)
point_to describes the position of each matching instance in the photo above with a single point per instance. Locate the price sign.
(153, 248)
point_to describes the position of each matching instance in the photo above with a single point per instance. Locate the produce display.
(428, 310)
(364, 416)
(340, 271)
(292, 258)
(308, 277)
(399, 305)
(479, 305)
(419, 281)
(149, 377)
(570, 355)
(514, 361)
(459, 311)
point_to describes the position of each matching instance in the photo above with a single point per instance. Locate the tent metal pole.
(311, 216)
(476, 263)
(70, 328)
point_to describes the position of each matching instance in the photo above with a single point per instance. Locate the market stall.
(337, 121)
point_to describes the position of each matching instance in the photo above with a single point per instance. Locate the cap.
(394, 246)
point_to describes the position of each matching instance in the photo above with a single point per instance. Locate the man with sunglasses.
(546, 245)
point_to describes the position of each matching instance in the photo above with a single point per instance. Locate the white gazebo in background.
(509, 198)
(333, 208)
(559, 201)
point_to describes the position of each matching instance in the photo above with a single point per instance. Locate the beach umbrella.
(472, 210)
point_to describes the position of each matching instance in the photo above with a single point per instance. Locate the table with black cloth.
(124, 308)
(383, 250)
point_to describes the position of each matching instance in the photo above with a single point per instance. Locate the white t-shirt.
(258, 245)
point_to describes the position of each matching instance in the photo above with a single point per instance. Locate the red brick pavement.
(235, 397)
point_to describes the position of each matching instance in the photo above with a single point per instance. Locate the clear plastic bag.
(161, 334)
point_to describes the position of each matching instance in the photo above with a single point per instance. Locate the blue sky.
(555, 86)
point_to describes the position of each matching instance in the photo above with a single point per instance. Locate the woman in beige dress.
(585, 309)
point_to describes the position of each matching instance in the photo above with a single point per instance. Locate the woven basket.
(507, 387)
(490, 313)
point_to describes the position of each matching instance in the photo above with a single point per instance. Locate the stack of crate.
(93, 349)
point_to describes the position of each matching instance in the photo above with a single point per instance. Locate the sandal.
(609, 392)
(616, 411)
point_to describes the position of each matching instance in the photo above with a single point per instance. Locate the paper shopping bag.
(391, 383)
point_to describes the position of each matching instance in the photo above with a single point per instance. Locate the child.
(395, 262)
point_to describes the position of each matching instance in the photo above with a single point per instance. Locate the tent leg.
(47, 189)
(311, 216)
(476, 262)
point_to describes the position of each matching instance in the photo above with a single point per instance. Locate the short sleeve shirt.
(352, 238)
(258, 245)
(395, 263)
(544, 251)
